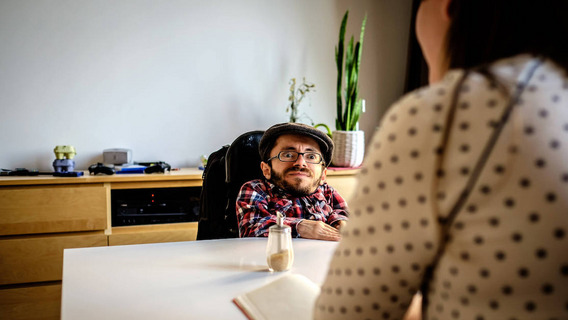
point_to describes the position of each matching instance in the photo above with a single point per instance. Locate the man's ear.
(265, 169)
(323, 176)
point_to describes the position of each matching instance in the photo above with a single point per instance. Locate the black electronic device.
(154, 206)
(23, 172)
(68, 174)
(159, 166)
(100, 168)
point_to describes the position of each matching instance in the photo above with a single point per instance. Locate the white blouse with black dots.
(507, 254)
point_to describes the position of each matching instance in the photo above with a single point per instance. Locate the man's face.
(299, 177)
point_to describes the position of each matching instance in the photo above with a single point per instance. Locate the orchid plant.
(297, 94)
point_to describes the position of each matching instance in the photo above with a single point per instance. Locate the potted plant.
(348, 139)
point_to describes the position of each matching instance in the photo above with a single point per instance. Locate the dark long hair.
(482, 31)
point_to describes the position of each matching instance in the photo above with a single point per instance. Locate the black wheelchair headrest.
(242, 161)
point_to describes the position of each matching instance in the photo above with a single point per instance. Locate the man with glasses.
(294, 163)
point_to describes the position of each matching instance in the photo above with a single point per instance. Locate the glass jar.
(279, 251)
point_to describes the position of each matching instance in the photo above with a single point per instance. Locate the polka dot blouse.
(507, 253)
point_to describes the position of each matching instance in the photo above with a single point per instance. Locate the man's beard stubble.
(295, 190)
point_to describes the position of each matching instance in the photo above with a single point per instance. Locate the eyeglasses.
(292, 156)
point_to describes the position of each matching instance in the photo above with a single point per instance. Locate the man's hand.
(317, 230)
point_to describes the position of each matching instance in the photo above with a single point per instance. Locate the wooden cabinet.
(343, 180)
(42, 216)
(36, 224)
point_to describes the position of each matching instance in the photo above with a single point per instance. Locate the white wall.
(175, 79)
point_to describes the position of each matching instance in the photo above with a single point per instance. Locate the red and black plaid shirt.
(259, 200)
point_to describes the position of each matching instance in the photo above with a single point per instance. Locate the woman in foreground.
(463, 196)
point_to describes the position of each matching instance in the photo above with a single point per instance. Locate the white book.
(292, 296)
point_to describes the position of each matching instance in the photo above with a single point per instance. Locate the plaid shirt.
(259, 200)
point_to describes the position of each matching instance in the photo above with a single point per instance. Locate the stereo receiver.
(154, 206)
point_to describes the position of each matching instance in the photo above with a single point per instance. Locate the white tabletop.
(179, 280)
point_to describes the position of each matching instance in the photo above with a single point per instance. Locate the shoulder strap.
(475, 173)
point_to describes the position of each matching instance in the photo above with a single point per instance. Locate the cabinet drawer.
(25, 210)
(153, 234)
(37, 302)
(36, 258)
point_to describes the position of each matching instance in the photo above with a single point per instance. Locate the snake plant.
(348, 113)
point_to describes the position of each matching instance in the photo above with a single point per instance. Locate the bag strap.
(486, 152)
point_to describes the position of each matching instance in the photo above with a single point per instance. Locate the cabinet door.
(40, 258)
(345, 185)
(37, 302)
(46, 209)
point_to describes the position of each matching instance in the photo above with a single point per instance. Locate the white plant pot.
(349, 148)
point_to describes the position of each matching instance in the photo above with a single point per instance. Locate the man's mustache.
(297, 169)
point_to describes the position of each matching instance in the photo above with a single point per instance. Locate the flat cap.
(269, 139)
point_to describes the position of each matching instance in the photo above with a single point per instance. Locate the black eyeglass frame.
(296, 159)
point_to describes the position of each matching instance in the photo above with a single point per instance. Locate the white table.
(178, 280)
